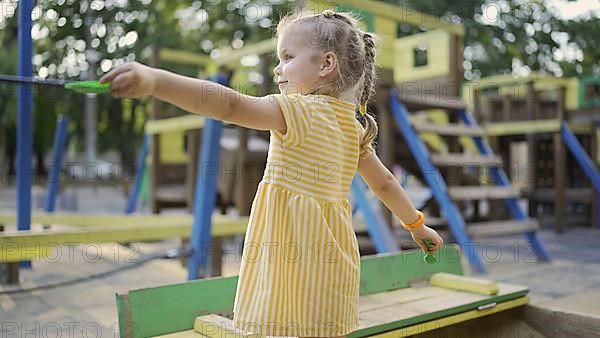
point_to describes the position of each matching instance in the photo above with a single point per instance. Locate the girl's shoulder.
(316, 100)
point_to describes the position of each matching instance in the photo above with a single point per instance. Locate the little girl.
(300, 270)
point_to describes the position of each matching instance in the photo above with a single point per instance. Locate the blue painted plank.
(205, 193)
(141, 168)
(379, 232)
(58, 150)
(585, 162)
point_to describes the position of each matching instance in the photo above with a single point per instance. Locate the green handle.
(88, 87)
(429, 257)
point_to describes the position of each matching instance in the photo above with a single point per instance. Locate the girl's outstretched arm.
(135, 80)
(387, 188)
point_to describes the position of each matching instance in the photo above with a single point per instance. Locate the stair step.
(570, 220)
(449, 129)
(461, 160)
(501, 228)
(422, 101)
(572, 194)
(483, 192)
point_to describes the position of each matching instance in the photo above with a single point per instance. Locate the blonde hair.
(354, 48)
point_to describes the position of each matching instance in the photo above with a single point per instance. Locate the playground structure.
(449, 156)
(420, 88)
(425, 85)
(540, 111)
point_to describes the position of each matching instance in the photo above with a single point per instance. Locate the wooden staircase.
(450, 193)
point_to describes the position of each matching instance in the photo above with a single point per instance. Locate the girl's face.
(299, 69)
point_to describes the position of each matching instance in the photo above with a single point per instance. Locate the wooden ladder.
(447, 197)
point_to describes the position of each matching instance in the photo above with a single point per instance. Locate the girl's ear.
(329, 64)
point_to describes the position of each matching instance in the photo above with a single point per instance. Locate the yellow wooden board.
(437, 45)
(172, 148)
(12, 252)
(175, 124)
(85, 220)
(535, 126)
(34, 245)
(516, 86)
(453, 319)
(464, 283)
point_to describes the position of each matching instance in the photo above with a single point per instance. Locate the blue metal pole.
(58, 150)
(141, 168)
(24, 123)
(206, 191)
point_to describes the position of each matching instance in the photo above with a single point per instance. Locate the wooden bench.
(101, 228)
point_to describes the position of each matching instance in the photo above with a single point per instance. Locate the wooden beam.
(183, 57)
(504, 80)
(14, 245)
(461, 160)
(85, 220)
(501, 228)
(179, 123)
(482, 192)
(420, 101)
(532, 127)
(449, 129)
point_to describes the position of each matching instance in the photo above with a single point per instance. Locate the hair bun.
(328, 13)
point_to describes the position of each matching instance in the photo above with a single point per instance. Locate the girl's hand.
(421, 233)
(131, 80)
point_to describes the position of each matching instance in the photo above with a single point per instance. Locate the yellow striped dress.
(300, 267)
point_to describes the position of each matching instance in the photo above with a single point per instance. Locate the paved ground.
(86, 307)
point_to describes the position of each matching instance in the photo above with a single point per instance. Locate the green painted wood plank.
(384, 272)
(172, 308)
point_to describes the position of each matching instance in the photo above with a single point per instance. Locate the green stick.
(84, 87)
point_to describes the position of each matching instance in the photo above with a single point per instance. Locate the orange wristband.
(419, 222)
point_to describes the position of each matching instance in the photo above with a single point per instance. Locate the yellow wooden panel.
(454, 319)
(572, 93)
(12, 252)
(516, 86)
(172, 148)
(385, 28)
(464, 283)
(20, 245)
(175, 124)
(98, 220)
(436, 42)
